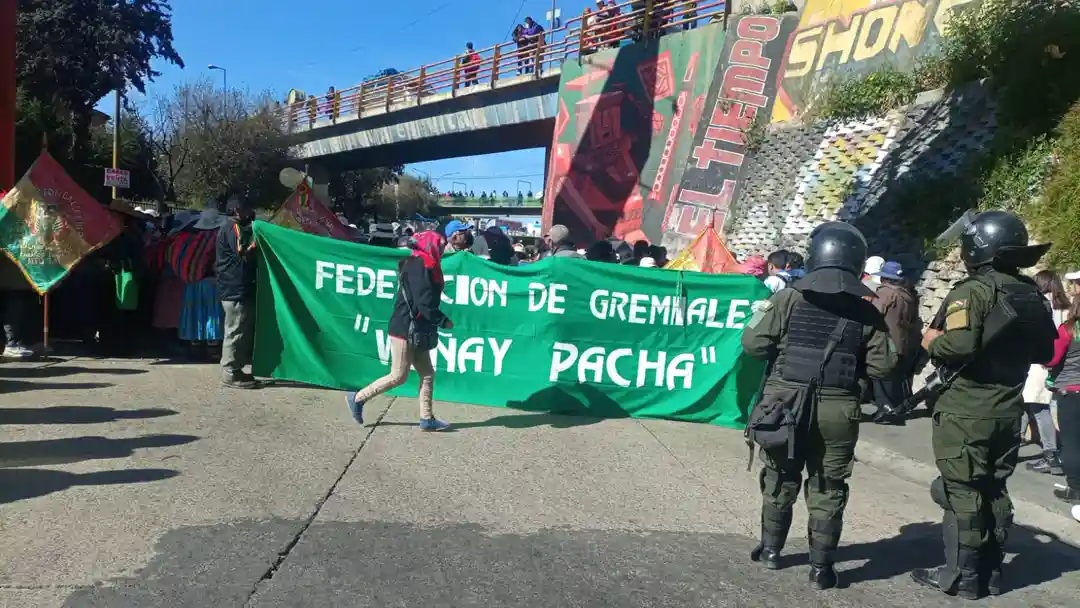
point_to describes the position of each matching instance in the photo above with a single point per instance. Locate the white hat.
(873, 264)
(210, 219)
(382, 231)
(647, 262)
(1072, 276)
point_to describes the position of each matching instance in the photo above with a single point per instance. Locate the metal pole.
(116, 136)
(551, 23)
(45, 323)
(225, 85)
(7, 93)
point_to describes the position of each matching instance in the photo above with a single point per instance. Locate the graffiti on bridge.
(623, 131)
(744, 87)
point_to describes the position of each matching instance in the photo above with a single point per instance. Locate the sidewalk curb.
(1028, 514)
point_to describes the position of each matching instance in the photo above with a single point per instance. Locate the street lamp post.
(225, 88)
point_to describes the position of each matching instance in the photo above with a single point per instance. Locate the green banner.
(561, 335)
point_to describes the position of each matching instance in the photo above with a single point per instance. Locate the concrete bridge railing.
(504, 64)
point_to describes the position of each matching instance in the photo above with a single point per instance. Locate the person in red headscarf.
(756, 266)
(416, 305)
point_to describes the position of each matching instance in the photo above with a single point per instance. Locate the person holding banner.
(413, 329)
(819, 335)
(235, 266)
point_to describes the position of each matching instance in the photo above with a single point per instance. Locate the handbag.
(423, 334)
(127, 290)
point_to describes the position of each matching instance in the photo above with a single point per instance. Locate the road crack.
(283, 554)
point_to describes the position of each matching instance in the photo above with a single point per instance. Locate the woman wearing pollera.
(420, 286)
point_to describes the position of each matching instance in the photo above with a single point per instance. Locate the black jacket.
(235, 263)
(424, 295)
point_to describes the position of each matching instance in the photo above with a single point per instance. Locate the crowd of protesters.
(196, 274)
(194, 278)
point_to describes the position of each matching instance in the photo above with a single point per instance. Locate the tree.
(71, 53)
(209, 143)
(406, 197)
(38, 122)
(163, 129)
(354, 193)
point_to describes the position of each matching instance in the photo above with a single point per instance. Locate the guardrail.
(509, 201)
(508, 62)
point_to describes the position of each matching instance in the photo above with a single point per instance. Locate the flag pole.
(45, 296)
(45, 325)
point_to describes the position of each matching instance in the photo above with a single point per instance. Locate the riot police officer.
(820, 334)
(996, 326)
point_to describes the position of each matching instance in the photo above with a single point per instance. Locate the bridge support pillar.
(548, 191)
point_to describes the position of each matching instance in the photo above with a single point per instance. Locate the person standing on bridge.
(413, 329)
(471, 63)
(518, 36)
(534, 37)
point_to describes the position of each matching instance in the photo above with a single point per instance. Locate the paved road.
(131, 483)
(906, 449)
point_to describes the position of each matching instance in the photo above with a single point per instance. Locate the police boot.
(824, 537)
(775, 524)
(991, 559)
(960, 574)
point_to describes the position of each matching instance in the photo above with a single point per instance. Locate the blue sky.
(275, 45)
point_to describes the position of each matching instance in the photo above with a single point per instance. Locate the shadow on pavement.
(528, 421)
(21, 484)
(579, 400)
(556, 407)
(52, 371)
(1036, 556)
(275, 383)
(74, 414)
(513, 421)
(78, 449)
(18, 386)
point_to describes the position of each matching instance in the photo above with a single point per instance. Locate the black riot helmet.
(836, 245)
(999, 236)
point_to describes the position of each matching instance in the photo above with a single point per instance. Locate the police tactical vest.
(808, 333)
(1018, 326)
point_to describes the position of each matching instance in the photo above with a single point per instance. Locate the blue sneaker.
(356, 407)
(431, 424)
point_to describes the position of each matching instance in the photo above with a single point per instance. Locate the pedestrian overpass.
(505, 101)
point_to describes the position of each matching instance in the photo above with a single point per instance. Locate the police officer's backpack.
(781, 411)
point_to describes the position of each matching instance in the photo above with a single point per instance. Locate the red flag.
(48, 223)
(303, 211)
